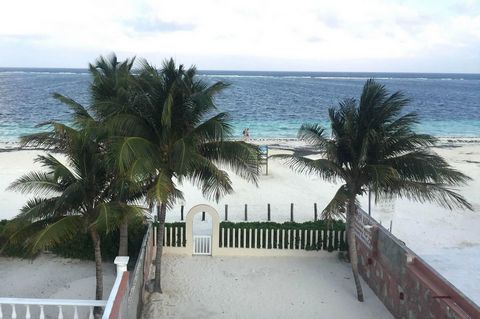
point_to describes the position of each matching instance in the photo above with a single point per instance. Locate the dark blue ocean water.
(271, 104)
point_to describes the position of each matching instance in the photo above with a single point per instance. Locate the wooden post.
(266, 163)
(246, 217)
(291, 212)
(226, 212)
(315, 212)
(268, 212)
(181, 212)
(369, 202)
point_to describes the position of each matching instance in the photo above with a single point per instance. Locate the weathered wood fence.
(289, 238)
(260, 237)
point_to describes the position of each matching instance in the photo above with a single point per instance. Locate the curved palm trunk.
(161, 213)
(352, 247)
(123, 243)
(98, 270)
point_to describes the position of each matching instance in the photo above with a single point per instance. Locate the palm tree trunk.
(352, 247)
(161, 213)
(123, 244)
(98, 270)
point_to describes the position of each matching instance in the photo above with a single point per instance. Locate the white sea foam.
(327, 77)
(43, 72)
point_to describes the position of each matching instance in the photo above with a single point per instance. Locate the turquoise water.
(270, 104)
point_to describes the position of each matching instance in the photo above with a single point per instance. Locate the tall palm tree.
(174, 132)
(111, 92)
(73, 192)
(373, 145)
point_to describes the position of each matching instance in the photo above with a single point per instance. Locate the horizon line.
(273, 71)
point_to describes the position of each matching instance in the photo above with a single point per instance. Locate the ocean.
(270, 104)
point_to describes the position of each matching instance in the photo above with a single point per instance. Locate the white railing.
(202, 245)
(118, 300)
(36, 308)
(115, 306)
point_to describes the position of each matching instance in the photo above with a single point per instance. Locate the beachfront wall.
(228, 239)
(405, 283)
(140, 275)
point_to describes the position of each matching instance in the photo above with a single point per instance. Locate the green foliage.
(315, 225)
(81, 246)
(175, 234)
(10, 250)
(169, 127)
(312, 235)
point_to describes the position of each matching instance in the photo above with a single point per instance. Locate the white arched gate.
(202, 244)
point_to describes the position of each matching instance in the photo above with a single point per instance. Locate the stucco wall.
(408, 286)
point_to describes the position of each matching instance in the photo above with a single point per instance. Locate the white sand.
(13, 165)
(260, 287)
(449, 240)
(51, 277)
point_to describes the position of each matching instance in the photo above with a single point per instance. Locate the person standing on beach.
(247, 134)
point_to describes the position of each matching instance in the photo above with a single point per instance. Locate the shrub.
(302, 235)
(81, 247)
(314, 225)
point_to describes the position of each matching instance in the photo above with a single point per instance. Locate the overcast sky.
(303, 35)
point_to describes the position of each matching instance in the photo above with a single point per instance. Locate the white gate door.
(202, 245)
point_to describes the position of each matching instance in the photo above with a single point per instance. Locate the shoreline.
(287, 143)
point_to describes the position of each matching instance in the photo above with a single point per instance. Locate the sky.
(293, 35)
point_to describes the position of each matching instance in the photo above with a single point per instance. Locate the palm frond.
(324, 168)
(426, 166)
(40, 183)
(423, 192)
(213, 181)
(112, 214)
(80, 113)
(128, 149)
(313, 134)
(337, 206)
(242, 158)
(55, 232)
(38, 208)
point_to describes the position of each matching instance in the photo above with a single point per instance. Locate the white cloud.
(307, 34)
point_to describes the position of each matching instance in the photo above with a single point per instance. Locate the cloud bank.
(315, 35)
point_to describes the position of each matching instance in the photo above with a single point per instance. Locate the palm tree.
(173, 132)
(373, 145)
(111, 91)
(73, 192)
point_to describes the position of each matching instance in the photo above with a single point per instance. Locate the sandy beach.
(260, 287)
(449, 240)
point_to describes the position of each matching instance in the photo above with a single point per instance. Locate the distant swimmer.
(246, 134)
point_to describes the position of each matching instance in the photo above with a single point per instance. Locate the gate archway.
(202, 244)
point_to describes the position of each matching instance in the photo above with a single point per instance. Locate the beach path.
(260, 287)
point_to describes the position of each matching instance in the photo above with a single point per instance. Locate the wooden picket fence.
(174, 235)
(293, 239)
(232, 236)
